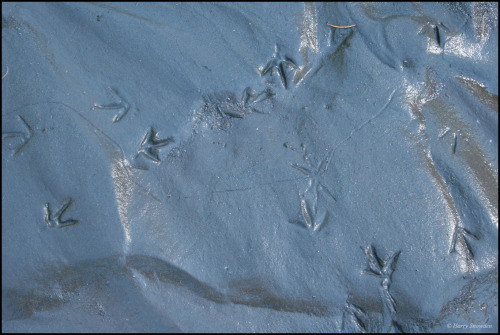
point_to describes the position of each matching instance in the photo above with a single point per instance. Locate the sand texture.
(248, 167)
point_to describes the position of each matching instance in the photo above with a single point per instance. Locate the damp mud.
(249, 167)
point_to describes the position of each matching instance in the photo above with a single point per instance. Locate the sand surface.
(245, 167)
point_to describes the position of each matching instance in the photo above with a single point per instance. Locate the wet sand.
(248, 167)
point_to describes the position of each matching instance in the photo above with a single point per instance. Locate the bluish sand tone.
(245, 167)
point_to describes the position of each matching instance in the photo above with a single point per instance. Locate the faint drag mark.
(309, 198)
(278, 63)
(122, 106)
(25, 136)
(5, 75)
(150, 144)
(56, 220)
(361, 126)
